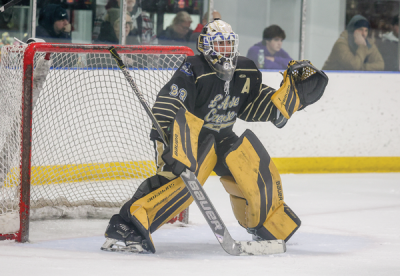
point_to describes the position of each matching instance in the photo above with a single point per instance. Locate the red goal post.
(84, 144)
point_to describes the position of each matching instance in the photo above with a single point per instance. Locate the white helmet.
(222, 57)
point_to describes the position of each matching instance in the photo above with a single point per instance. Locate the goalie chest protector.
(196, 85)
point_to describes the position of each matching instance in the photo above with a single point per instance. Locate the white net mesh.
(10, 136)
(90, 134)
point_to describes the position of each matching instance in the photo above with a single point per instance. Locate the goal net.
(82, 147)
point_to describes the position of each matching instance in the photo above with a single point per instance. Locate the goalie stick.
(9, 4)
(199, 195)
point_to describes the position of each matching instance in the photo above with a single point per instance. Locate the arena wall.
(353, 128)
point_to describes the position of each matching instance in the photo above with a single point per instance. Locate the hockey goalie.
(196, 110)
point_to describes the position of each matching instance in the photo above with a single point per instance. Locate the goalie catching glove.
(302, 85)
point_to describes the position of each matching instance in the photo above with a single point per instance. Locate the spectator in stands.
(134, 11)
(353, 50)
(179, 32)
(107, 33)
(53, 24)
(143, 27)
(112, 4)
(200, 26)
(130, 40)
(271, 47)
(389, 46)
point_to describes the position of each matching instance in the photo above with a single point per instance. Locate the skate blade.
(113, 245)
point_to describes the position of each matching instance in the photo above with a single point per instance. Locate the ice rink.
(350, 226)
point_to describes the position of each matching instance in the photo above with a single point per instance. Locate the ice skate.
(123, 237)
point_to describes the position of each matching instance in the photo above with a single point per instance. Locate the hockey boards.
(238, 248)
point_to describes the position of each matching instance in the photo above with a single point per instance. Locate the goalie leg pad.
(153, 209)
(256, 191)
(281, 224)
(249, 163)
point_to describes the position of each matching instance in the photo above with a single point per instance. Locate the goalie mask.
(219, 45)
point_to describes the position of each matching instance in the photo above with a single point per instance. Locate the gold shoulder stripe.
(264, 88)
(248, 114)
(262, 114)
(162, 115)
(265, 96)
(161, 127)
(169, 98)
(175, 99)
(252, 105)
(248, 70)
(213, 73)
(246, 107)
(269, 92)
(165, 104)
(166, 109)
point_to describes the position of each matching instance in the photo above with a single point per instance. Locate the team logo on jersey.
(242, 76)
(185, 68)
(215, 121)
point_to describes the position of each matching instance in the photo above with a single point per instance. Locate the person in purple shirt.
(274, 56)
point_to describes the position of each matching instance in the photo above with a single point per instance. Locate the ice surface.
(350, 226)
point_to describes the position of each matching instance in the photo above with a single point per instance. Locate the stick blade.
(246, 248)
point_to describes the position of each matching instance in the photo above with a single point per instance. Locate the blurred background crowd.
(360, 35)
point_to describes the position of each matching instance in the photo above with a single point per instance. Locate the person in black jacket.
(179, 32)
(109, 31)
(53, 24)
(388, 46)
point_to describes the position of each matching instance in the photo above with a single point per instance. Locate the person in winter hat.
(354, 50)
(53, 24)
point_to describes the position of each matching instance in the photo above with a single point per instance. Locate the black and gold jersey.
(196, 87)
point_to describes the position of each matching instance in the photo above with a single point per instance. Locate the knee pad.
(256, 190)
(157, 207)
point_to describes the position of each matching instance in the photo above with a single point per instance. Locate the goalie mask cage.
(83, 148)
